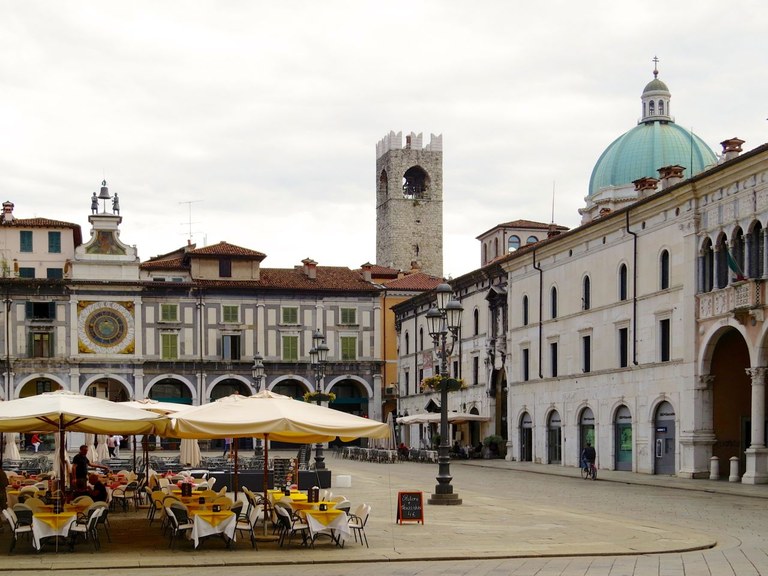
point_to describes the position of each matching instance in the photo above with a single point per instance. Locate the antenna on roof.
(553, 202)
(189, 222)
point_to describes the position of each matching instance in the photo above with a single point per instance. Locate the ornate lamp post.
(257, 372)
(318, 357)
(442, 320)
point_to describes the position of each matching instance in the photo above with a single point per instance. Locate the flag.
(733, 265)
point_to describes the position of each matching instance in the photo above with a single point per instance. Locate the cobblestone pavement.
(517, 519)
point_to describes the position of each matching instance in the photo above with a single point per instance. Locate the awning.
(434, 417)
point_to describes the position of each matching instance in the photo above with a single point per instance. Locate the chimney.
(309, 268)
(7, 217)
(671, 175)
(366, 268)
(645, 185)
(731, 148)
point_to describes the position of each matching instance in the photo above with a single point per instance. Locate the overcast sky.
(256, 122)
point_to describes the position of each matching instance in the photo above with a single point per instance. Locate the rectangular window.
(664, 340)
(407, 383)
(526, 364)
(348, 316)
(54, 242)
(225, 268)
(291, 348)
(230, 314)
(54, 273)
(475, 371)
(553, 359)
(623, 347)
(586, 353)
(26, 272)
(290, 315)
(230, 347)
(41, 345)
(169, 312)
(421, 375)
(25, 241)
(169, 344)
(349, 347)
(456, 369)
(43, 386)
(40, 310)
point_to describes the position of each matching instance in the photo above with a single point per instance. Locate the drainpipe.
(541, 310)
(634, 292)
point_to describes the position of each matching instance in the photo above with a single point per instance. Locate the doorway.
(664, 440)
(526, 438)
(622, 441)
(554, 439)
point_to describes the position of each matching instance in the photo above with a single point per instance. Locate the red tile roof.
(226, 249)
(417, 281)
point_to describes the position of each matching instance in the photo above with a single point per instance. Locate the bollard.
(714, 468)
(734, 477)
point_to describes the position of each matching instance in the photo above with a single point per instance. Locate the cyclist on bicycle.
(588, 457)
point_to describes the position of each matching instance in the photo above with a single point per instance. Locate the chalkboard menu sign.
(410, 507)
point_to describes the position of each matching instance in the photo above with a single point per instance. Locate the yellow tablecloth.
(311, 505)
(214, 518)
(226, 522)
(47, 525)
(333, 523)
(55, 521)
(325, 517)
(296, 496)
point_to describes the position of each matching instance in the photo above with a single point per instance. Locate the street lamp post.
(444, 320)
(257, 371)
(318, 357)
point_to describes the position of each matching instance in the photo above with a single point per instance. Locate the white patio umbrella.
(163, 408)
(90, 441)
(189, 452)
(434, 417)
(62, 411)
(272, 417)
(11, 449)
(102, 451)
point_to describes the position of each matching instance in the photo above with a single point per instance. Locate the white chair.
(290, 525)
(17, 530)
(357, 522)
(86, 527)
(211, 482)
(126, 494)
(178, 519)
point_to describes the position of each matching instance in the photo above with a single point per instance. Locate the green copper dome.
(654, 143)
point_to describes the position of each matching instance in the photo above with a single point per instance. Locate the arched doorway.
(38, 386)
(664, 439)
(554, 439)
(731, 399)
(526, 438)
(170, 390)
(108, 389)
(622, 426)
(586, 429)
(228, 387)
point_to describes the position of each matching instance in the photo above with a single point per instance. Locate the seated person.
(98, 491)
(403, 451)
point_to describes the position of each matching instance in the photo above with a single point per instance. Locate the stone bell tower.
(409, 203)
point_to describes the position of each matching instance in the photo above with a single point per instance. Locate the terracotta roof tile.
(165, 264)
(226, 249)
(416, 281)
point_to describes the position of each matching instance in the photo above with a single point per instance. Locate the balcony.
(742, 300)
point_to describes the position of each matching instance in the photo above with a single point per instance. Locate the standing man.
(118, 440)
(80, 464)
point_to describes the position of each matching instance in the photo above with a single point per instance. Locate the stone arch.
(246, 384)
(122, 382)
(18, 386)
(365, 385)
(185, 383)
(416, 183)
(310, 387)
(711, 337)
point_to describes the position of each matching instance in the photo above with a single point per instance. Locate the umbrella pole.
(133, 440)
(234, 479)
(62, 456)
(265, 505)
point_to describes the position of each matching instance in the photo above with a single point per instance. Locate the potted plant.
(493, 445)
(437, 383)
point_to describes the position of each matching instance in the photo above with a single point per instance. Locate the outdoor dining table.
(296, 496)
(208, 523)
(331, 522)
(50, 524)
(306, 505)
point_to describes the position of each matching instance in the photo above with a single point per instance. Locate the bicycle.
(588, 471)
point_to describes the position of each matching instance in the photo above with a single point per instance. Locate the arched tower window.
(664, 270)
(531, 240)
(586, 294)
(407, 343)
(495, 247)
(553, 301)
(661, 107)
(421, 339)
(738, 252)
(476, 321)
(525, 310)
(384, 184)
(415, 183)
(485, 253)
(651, 108)
(513, 243)
(623, 282)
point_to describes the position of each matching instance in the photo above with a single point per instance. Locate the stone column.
(757, 454)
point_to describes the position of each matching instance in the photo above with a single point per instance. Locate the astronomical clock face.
(106, 327)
